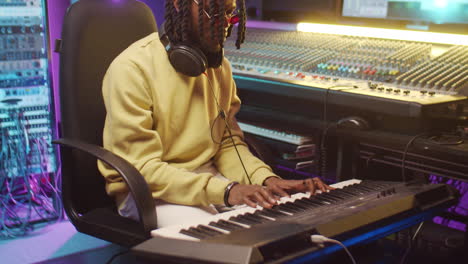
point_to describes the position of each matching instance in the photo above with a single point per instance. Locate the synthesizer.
(265, 235)
(376, 76)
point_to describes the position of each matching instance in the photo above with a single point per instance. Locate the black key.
(342, 193)
(298, 206)
(324, 199)
(364, 188)
(265, 213)
(274, 212)
(193, 233)
(205, 232)
(345, 191)
(256, 218)
(379, 185)
(314, 199)
(328, 197)
(281, 207)
(352, 190)
(312, 203)
(290, 207)
(371, 186)
(337, 196)
(250, 218)
(240, 219)
(305, 204)
(210, 230)
(226, 225)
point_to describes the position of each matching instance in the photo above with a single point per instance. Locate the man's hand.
(268, 195)
(252, 195)
(283, 187)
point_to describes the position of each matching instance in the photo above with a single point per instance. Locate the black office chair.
(93, 34)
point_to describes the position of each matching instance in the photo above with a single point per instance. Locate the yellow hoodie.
(160, 121)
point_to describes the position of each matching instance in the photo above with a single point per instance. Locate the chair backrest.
(94, 33)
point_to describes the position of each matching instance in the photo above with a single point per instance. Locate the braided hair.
(177, 23)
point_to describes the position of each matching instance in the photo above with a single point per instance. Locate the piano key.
(281, 208)
(298, 206)
(263, 213)
(377, 184)
(322, 200)
(202, 231)
(242, 220)
(312, 203)
(372, 186)
(226, 225)
(328, 197)
(256, 218)
(304, 203)
(287, 207)
(342, 193)
(337, 196)
(222, 222)
(194, 233)
(209, 230)
(365, 188)
(348, 192)
(354, 191)
(221, 226)
(276, 212)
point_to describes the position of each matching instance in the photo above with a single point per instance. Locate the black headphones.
(188, 59)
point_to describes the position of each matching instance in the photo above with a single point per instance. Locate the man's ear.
(176, 5)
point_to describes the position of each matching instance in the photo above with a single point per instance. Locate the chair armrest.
(136, 183)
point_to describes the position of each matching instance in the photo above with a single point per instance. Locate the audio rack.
(25, 93)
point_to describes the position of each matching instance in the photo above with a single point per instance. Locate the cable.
(325, 127)
(222, 114)
(118, 254)
(405, 152)
(321, 240)
(403, 258)
(447, 139)
(26, 193)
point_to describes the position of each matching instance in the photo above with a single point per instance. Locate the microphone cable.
(222, 114)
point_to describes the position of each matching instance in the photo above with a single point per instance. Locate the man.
(180, 131)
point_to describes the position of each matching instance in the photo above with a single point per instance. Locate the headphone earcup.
(188, 60)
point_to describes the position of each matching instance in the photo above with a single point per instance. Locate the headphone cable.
(223, 116)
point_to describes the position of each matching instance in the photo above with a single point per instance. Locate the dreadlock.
(213, 10)
(201, 23)
(178, 23)
(241, 28)
(220, 36)
(185, 18)
(169, 23)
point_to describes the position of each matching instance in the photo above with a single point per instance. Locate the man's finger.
(267, 194)
(310, 186)
(279, 191)
(249, 202)
(261, 200)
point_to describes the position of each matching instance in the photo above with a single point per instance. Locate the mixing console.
(403, 66)
(372, 76)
